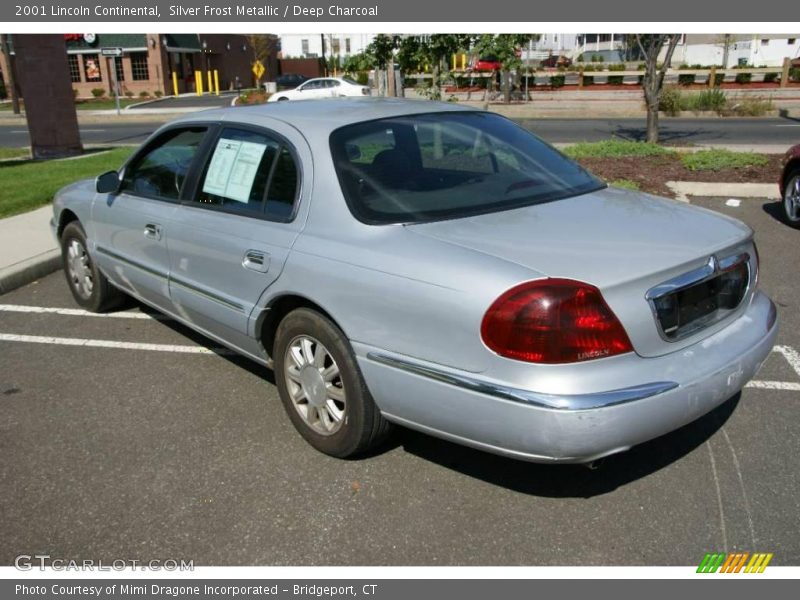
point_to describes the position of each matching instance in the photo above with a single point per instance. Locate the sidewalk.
(28, 249)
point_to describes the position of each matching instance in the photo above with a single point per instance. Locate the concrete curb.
(29, 270)
(684, 189)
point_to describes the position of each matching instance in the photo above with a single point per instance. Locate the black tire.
(102, 296)
(362, 426)
(791, 179)
(283, 99)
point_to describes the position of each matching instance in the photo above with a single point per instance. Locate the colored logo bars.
(734, 562)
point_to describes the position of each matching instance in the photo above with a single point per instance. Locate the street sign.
(111, 51)
(258, 69)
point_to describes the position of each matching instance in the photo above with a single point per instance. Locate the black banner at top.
(463, 11)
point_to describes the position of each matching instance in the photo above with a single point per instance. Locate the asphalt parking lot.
(125, 437)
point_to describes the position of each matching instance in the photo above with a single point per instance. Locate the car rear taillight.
(553, 321)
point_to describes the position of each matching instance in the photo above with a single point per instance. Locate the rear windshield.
(446, 165)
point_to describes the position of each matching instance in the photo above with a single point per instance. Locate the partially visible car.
(556, 60)
(289, 81)
(790, 186)
(323, 87)
(487, 63)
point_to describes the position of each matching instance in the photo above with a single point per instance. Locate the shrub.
(615, 79)
(744, 77)
(98, 92)
(158, 93)
(128, 94)
(580, 58)
(3, 93)
(144, 94)
(614, 148)
(718, 79)
(557, 81)
(794, 74)
(588, 80)
(747, 107)
(617, 67)
(717, 158)
(74, 93)
(362, 78)
(671, 100)
(770, 77)
(713, 99)
(686, 79)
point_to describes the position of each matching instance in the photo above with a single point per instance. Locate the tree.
(262, 46)
(651, 46)
(436, 49)
(506, 47)
(380, 52)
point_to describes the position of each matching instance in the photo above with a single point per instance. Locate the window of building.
(347, 45)
(139, 68)
(304, 46)
(765, 42)
(91, 66)
(791, 41)
(118, 70)
(336, 45)
(74, 68)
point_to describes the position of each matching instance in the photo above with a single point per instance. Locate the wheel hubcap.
(315, 385)
(79, 268)
(792, 199)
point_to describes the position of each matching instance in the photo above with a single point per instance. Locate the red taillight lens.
(553, 321)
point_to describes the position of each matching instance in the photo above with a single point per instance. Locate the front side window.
(161, 171)
(250, 173)
(448, 165)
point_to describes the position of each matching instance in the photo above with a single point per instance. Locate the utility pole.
(12, 86)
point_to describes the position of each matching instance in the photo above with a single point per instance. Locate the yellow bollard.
(198, 77)
(210, 83)
(454, 62)
(216, 82)
(174, 83)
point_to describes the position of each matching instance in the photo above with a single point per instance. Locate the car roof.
(323, 115)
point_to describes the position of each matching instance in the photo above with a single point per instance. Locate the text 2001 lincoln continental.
(427, 265)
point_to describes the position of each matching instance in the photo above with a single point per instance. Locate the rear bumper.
(476, 411)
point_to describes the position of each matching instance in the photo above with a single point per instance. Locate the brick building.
(149, 59)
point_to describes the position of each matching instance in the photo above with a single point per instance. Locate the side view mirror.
(107, 183)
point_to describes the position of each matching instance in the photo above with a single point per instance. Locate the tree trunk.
(506, 86)
(435, 93)
(652, 124)
(12, 84)
(45, 84)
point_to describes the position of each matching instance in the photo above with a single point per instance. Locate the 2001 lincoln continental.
(427, 265)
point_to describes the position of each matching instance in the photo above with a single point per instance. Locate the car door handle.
(152, 231)
(256, 260)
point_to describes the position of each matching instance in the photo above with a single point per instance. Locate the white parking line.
(76, 312)
(59, 341)
(791, 355)
(774, 385)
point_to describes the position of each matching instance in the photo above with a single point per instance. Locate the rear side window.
(161, 170)
(250, 173)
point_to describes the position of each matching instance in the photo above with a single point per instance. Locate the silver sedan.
(428, 265)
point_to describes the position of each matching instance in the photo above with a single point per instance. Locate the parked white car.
(322, 87)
